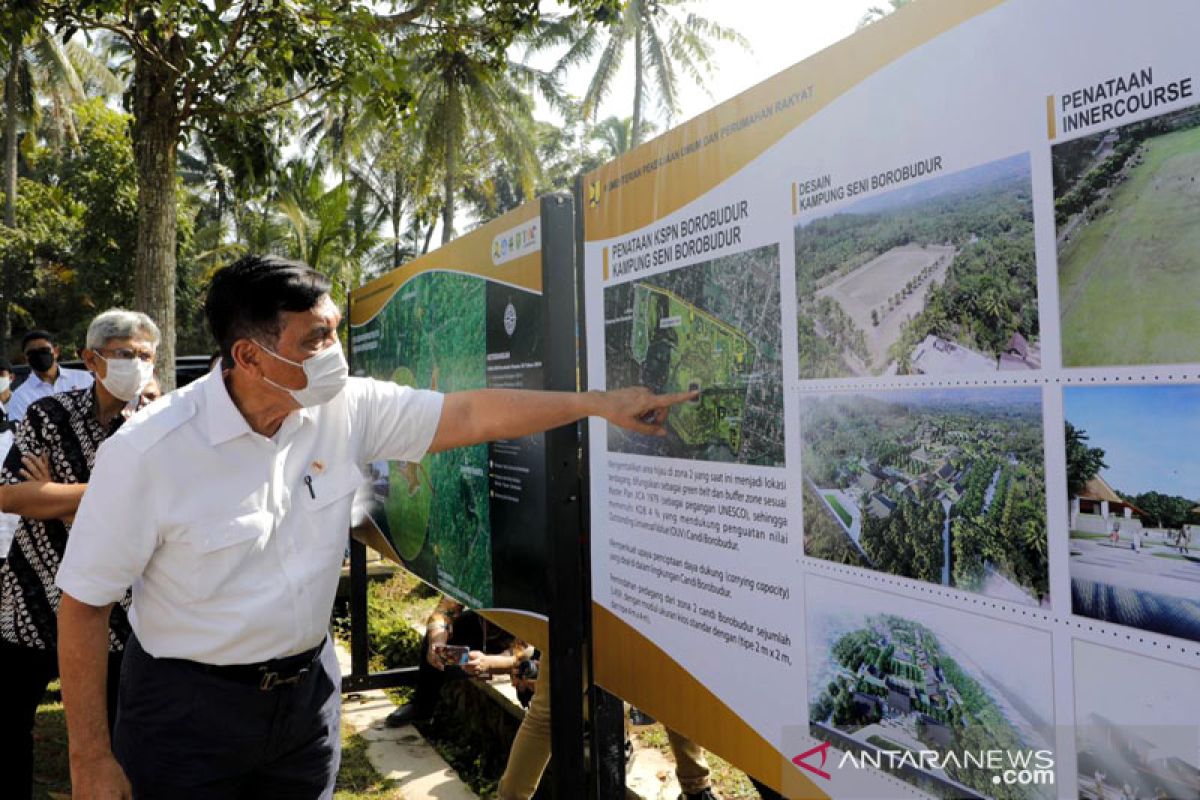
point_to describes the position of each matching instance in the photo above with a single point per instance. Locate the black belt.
(266, 675)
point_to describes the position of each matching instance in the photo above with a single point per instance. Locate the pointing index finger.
(665, 400)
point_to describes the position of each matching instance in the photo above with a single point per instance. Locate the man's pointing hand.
(639, 409)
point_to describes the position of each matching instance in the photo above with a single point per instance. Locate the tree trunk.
(452, 140)
(10, 177)
(397, 216)
(428, 238)
(448, 191)
(156, 128)
(639, 82)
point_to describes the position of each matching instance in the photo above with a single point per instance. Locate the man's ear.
(89, 358)
(247, 356)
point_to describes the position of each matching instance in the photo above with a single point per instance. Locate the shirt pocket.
(218, 547)
(335, 483)
(326, 498)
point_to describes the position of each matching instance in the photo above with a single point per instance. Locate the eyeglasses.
(126, 353)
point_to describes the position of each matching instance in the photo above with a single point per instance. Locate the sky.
(780, 33)
(1148, 433)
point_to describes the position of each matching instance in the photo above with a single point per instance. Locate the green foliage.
(433, 337)
(1083, 462)
(35, 255)
(667, 40)
(1080, 179)
(996, 448)
(853, 649)
(100, 175)
(823, 537)
(1162, 510)
(908, 541)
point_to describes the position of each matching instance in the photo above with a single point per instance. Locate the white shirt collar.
(225, 421)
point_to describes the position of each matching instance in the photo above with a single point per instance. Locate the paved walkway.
(400, 754)
(403, 754)
(1142, 570)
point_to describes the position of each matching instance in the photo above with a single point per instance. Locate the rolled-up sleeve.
(395, 423)
(113, 536)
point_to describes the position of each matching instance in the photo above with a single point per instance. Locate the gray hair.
(118, 323)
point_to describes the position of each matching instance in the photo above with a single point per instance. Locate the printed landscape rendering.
(941, 486)
(937, 277)
(890, 683)
(1126, 202)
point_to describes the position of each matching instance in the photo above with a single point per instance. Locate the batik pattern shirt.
(65, 427)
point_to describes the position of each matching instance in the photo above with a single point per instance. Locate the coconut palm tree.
(387, 172)
(668, 40)
(41, 74)
(615, 135)
(465, 100)
(333, 230)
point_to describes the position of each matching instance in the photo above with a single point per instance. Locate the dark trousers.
(28, 672)
(184, 733)
(765, 792)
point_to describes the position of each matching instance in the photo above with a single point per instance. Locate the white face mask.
(327, 372)
(126, 377)
(5, 382)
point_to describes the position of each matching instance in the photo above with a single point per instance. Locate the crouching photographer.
(458, 643)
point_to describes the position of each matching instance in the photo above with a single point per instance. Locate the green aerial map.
(431, 335)
(712, 326)
(701, 352)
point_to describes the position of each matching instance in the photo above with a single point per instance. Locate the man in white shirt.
(46, 377)
(226, 507)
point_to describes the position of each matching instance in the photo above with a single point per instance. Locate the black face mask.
(40, 360)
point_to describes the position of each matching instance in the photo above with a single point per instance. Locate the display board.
(473, 521)
(931, 527)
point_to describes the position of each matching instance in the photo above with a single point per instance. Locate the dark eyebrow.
(320, 330)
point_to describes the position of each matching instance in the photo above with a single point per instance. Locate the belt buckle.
(271, 679)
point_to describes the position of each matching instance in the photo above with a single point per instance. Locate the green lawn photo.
(841, 512)
(1129, 246)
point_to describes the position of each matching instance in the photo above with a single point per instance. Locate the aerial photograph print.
(432, 335)
(919, 677)
(715, 327)
(945, 486)
(1126, 203)
(1133, 484)
(1135, 744)
(932, 278)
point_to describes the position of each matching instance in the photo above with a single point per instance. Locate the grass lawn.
(728, 781)
(841, 511)
(1129, 281)
(51, 772)
(1094, 537)
(357, 779)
